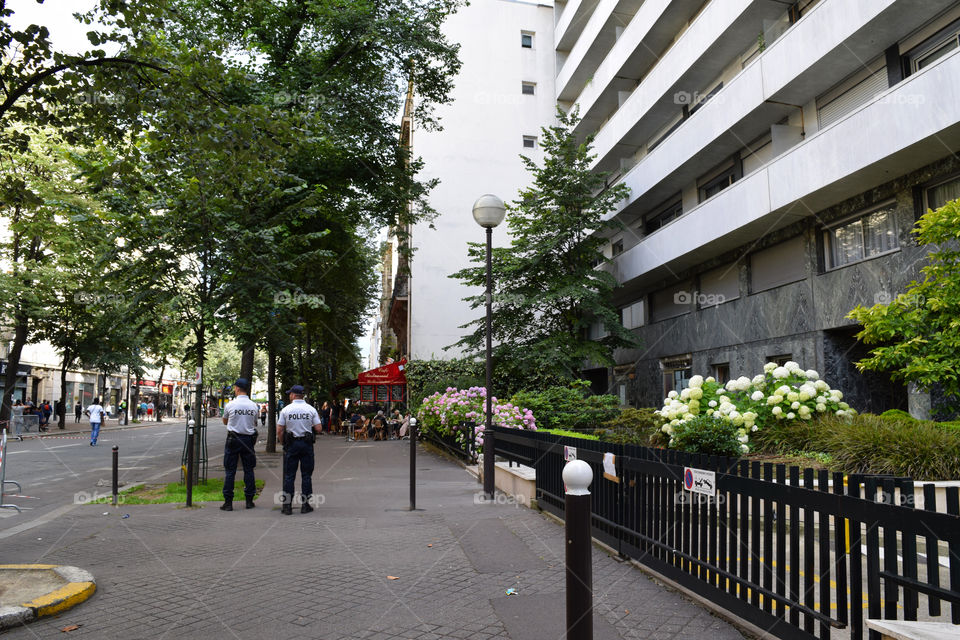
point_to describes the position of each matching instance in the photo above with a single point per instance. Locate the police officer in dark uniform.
(296, 428)
(240, 416)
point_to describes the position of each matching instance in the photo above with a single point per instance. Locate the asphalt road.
(62, 472)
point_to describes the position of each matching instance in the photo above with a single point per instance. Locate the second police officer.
(296, 428)
(240, 416)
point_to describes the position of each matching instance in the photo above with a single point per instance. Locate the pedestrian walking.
(296, 428)
(240, 416)
(263, 414)
(96, 414)
(77, 409)
(150, 408)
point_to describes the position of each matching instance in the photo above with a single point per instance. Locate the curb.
(78, 433)
(80, 586)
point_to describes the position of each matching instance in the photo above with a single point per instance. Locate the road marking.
(45, 518)
(63, 446)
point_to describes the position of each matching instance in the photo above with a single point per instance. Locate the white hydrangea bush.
(780, 393)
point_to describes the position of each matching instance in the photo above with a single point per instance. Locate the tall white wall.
(477, 152)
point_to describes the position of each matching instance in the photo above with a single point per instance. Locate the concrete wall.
(478, 152)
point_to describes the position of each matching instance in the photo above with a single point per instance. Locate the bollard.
(116, 476)
(577, 476)
(413, 463)
(190, 426)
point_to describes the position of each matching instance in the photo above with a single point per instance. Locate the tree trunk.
(246, 363)
(309, 368)
(13, 363)
(163, 368)
(271, 401)
(62, 418)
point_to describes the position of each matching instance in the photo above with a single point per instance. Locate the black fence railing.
(461, 443)
(801, 553)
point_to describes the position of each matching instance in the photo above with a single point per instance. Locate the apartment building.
(777, 152)
(778, 155)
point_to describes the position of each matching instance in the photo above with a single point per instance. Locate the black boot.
(227, 505)
(306, 508)
(250, 504)
(286, 509)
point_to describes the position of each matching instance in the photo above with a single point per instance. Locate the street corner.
(30, 591)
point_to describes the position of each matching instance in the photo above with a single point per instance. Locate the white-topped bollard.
(190, 467)
(577, 476)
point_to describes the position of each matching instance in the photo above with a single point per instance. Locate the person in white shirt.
(240, 416)
(96, 415)
(296, 429)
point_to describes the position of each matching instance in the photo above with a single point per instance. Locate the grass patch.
(175, 492)
(569, 434)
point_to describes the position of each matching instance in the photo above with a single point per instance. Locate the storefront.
(384, 386)
(20, 389)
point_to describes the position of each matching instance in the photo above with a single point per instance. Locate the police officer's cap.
(242, 383)
(296, 389)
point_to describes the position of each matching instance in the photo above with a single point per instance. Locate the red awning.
(393, 373)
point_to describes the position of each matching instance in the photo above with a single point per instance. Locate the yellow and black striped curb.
(79, 586)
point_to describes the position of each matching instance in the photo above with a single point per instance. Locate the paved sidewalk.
(170, 572)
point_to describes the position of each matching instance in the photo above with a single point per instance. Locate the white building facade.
(778, 155)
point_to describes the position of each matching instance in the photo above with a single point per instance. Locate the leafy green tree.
(916, 337)
(548, 290)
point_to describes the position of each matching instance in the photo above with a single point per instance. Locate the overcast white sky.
(66, 33)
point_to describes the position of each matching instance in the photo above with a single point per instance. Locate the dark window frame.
(931, 184)
(532, 86)
(731, 175)
(532, 140)
(860, 216)
(939, 38)
(664, 215)
(526, 40)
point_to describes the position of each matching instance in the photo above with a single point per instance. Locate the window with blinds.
(941, 194)
(852, 92)
(778, 265)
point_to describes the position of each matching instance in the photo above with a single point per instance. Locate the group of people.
(43, 411)
(379, 426)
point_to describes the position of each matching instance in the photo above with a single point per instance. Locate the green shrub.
(781, 436)
(572, 434)
(874, 444)
(568, 407)
(897, 414)
(634, 426)
(707, 435)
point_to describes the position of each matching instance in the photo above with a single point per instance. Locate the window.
(529, 142)
(677, 372)
(721, 372)
(701, 99)
(719, 285)
(781, 359)
(663, 216)
(865, 237)
(934, 48)
(616, 248)
(528, 88)
(672, 301)
(633, 315)
(778, 265)
(711, 186)
(852, 92)
(526, 39)
(940, 194)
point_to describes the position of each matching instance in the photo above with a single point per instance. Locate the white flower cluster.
(780, 393)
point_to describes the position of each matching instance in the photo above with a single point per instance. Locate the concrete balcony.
(718, 35)
(898, 131)
(591, 47)
(825, 46)
(570, 23)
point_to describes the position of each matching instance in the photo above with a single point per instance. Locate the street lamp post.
(489, 211)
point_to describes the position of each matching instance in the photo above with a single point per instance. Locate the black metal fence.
(800, 553)
(461, 443)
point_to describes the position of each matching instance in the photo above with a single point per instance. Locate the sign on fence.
(569, 453)
(700, 481)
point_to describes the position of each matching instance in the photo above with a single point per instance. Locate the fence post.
(577, 476)
(116, 468)
(413, 464)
